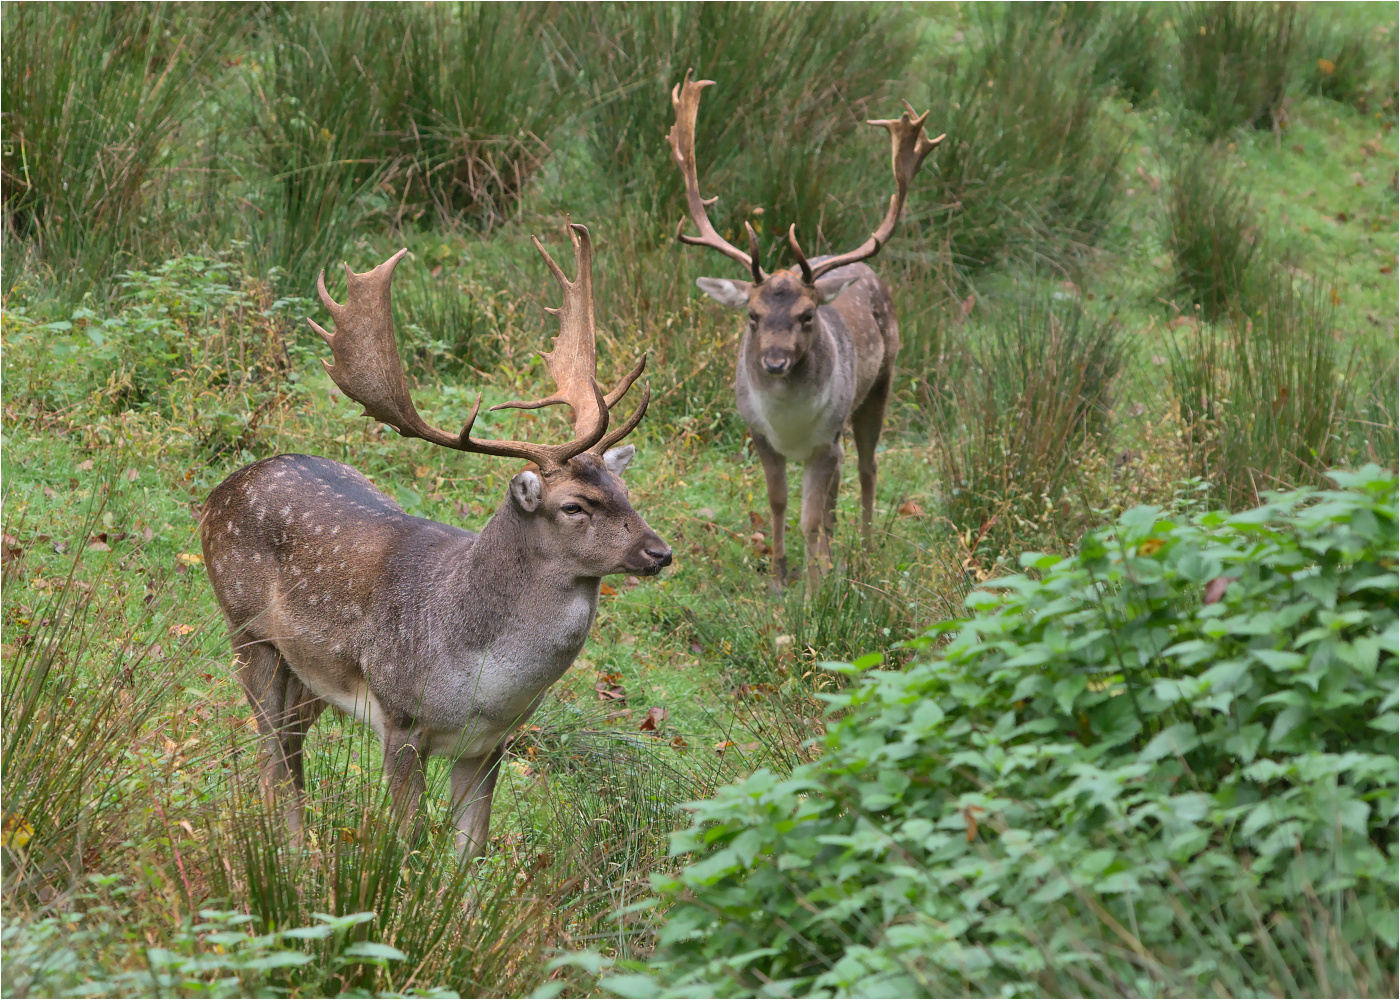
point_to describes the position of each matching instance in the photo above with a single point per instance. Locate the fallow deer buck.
(819, 347)
(443, 640)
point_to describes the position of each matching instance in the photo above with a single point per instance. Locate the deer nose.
(776, 364)
(659, 554)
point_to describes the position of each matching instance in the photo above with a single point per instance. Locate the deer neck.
(514, 583)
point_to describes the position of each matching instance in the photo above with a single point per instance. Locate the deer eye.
(753, 318)
(571, 508)
(806, 317)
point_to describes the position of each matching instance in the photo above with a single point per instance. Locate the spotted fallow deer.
(442, 640)
(819, 348)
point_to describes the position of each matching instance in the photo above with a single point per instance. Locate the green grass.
(163, 343)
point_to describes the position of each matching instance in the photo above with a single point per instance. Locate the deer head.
(571, 499)
(782, 307)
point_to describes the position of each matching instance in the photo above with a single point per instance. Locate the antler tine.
(613, 398)
(685, 98)
(909, 145)
(801, 257)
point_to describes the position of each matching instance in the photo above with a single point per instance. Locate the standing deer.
(443, 640)
(819, 347)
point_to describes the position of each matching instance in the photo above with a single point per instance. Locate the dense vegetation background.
(1150, 277)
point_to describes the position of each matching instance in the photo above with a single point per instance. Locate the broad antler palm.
(368, 369)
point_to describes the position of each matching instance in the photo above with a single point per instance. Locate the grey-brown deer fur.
(441, 639)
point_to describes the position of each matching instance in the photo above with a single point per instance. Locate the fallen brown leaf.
(606, 591)
(910, 509)
(655, 716)
(85, 466)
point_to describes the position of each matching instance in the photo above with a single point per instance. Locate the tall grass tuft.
(1211, 232)
(1030, 167)
(1265, 400)
(1014, 415)
(1236, 63)
(94, 97)
(781, 134)
(1374, 425)
(362, 112)
(1123, 39)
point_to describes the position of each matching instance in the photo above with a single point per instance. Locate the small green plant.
(1236, 63)
(1164, 764)
(1266, 399)
(1211, 231)
(1014, 414)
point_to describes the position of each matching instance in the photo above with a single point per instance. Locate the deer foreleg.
(775, 473)
(473, 785)
(820, 479)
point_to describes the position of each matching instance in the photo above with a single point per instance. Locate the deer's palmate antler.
(368, 370)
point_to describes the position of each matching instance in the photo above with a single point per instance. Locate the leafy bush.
(1030, 167)
(1013, 414)
(1166, 763)
(1236, 62)
(1211, 231)
(1266, 399)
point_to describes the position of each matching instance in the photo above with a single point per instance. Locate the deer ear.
(733, 294)
(617, 459)
(828, 291)
(526, 490)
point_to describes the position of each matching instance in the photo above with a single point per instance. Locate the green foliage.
(1030, 167)
(782, 132)
(1123, 40)
(1016, 409)
(1236, 63)
(1166, 763)
(1266, 399)
(215, 955)
(1211, 231)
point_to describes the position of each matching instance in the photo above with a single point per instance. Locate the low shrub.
(1236, 63)
(1164, 764)
(1211, 231)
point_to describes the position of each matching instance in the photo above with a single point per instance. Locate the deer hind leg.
(866, 423)
(285, 710)
(473, 784)
(775, 473)
(405, 765)
(821, 477)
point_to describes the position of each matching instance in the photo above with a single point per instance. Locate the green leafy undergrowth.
(1165, 764)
